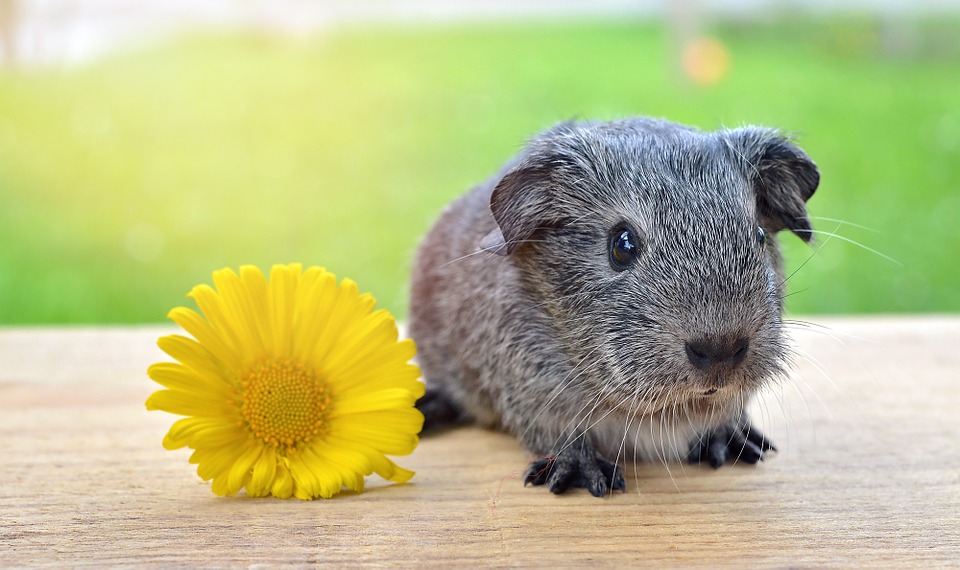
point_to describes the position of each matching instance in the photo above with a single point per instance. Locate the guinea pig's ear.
(519, 204)
(783, 178)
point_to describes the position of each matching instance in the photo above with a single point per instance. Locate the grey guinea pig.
(615, 291)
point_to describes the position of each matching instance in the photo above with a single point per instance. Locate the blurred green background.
(126, 180)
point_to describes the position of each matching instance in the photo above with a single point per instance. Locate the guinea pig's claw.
(587, 471)
(740, 443)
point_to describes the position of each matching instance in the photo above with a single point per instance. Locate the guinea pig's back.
(449, 289)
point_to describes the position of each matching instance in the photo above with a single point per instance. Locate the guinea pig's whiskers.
(865, 247)
(844, 223)
(825, 330)
(833, 234)
(801, 387)
(818, 366)
(820, 246)
(488, 250)
(835, 336)
(776, 391)
(661, 449)
(651, 396)
(655, 395)
(689, 419)
(575, 373)
(586, 419)
(571, 435)
(795, 292)
(677, 446)
(638, 450)
(767, 415)
(661, 445)
(633, 408)
(805, 325)
(576, 418)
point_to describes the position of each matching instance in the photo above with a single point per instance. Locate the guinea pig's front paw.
(586, 470)
(737, 442)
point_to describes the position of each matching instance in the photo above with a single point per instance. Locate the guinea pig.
(616, 289)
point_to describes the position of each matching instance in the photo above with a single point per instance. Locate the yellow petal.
(193, 355)
(243, 467)
(205, 334)
(350, 460)
(220, 486)
(213, 462)
(264, 472)
(382, 466)
(306, 478)
(282, 295)
(398, 474)
(214, 309)
(253, 297)
(347, 306)
(184, 430)
(361, 340)
(185, 404)
(379, 431)
(314, 299)
(244, 311)
(387, 399)
(282, 487)
(180, 378)
(331, 474)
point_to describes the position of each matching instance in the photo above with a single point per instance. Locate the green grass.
(124, 183)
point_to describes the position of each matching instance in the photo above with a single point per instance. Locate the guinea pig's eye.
(761, 236)
(624, 247)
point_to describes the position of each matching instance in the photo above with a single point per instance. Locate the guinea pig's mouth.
(710, 392)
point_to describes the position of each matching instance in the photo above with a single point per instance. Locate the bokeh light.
(706, 60)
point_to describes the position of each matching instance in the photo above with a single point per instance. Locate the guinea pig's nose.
(705, 352)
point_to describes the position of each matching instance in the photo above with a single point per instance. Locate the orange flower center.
(283, 404)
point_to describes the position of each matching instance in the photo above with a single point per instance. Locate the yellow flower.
(294, 387)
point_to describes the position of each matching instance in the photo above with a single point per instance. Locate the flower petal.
(282, 296)
(214, 462)
(361, 339)
(183, 404)
(381, 465)
(315, 303)
(243, 467)
(387, 399)
(182, 431)
(307, 478)
(282, 487)
(180, 378)
(205, 334)
(336, 474)
(264, 473)
(244, 311)
(215, 311)
(192, 354)
(382, 430)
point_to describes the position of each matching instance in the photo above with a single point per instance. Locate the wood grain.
(868, 474)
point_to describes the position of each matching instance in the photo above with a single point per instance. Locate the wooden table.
(868, 473)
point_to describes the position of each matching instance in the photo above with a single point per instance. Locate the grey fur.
(522, 324)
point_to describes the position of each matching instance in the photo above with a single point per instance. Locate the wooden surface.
(868, 474)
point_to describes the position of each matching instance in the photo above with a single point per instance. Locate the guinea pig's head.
(652, 251)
